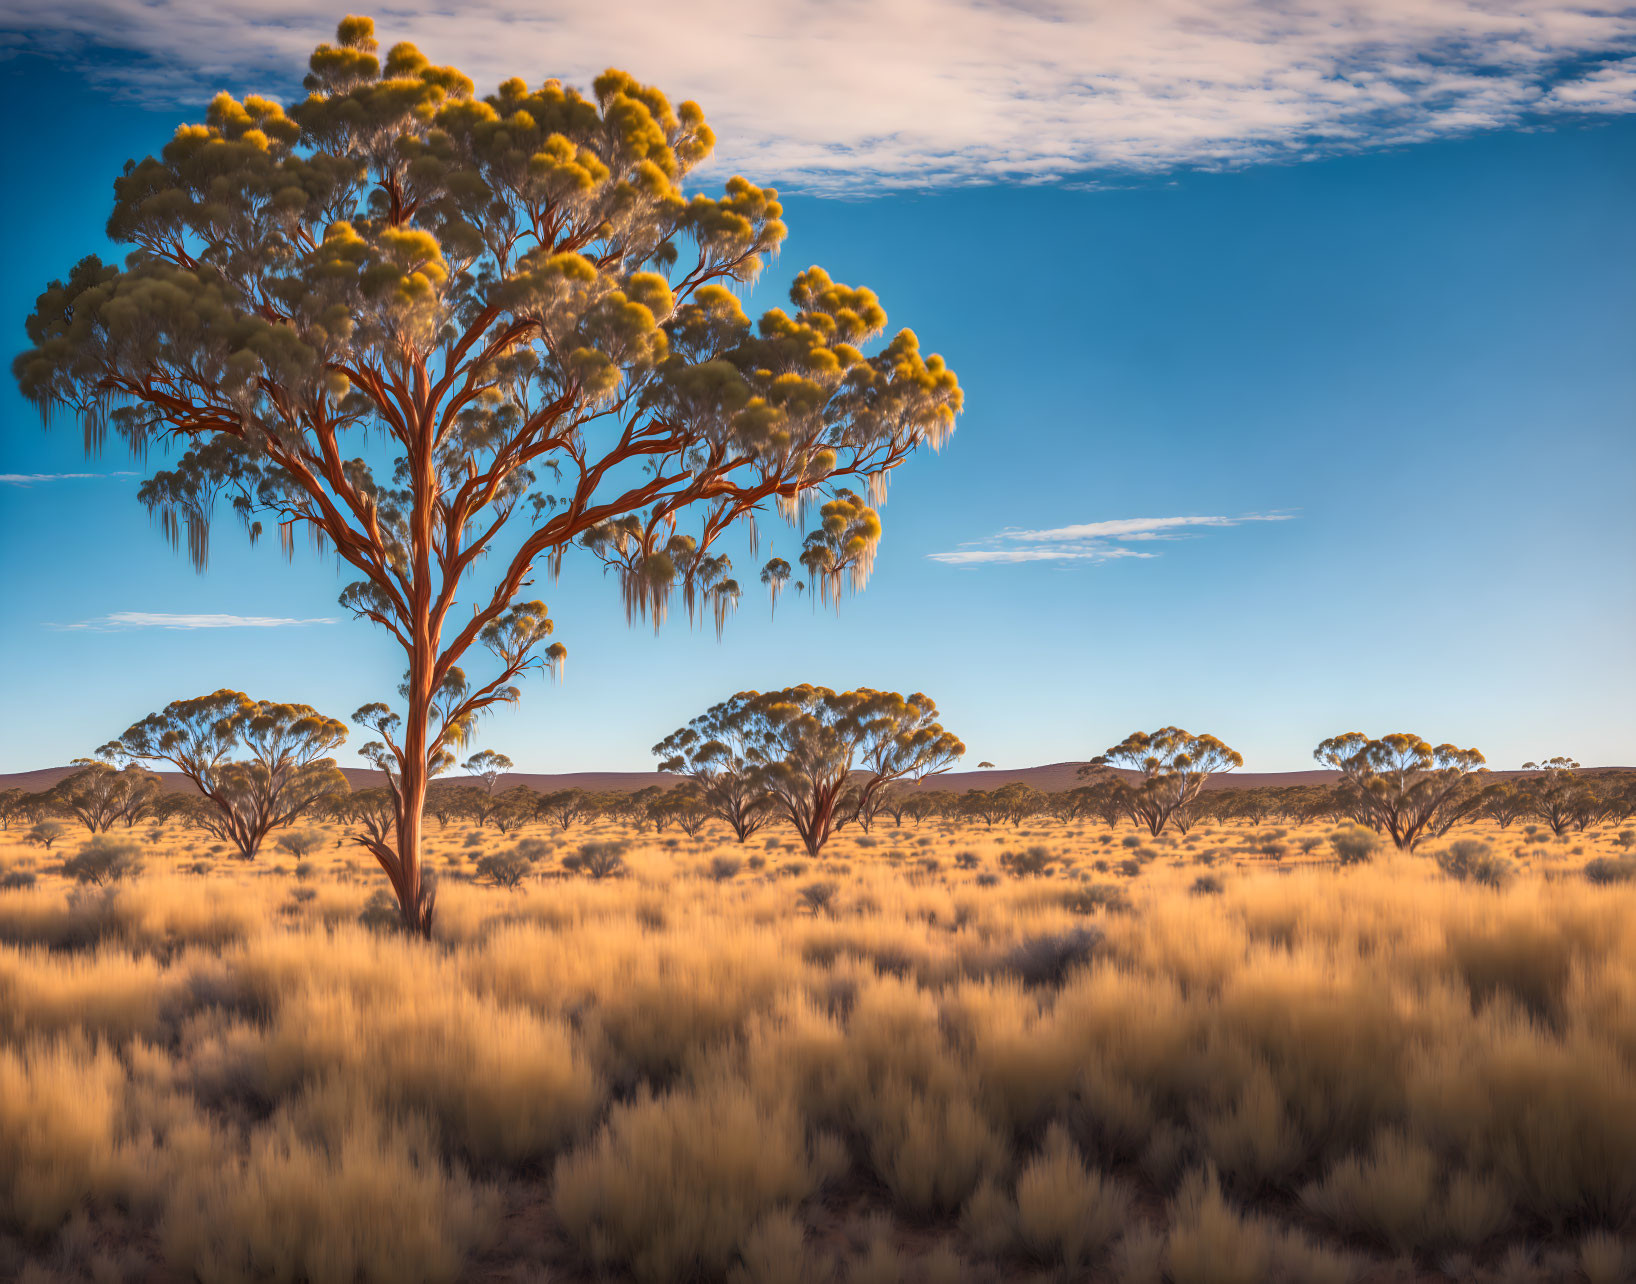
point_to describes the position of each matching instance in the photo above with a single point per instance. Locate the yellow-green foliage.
(228, 1077)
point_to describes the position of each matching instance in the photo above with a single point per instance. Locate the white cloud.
(856, 94)
(163, 620)
(31, 479)
(1045, 553)
(1087, 541)
(1136, 528)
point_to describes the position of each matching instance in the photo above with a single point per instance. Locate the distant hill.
(1050, 778)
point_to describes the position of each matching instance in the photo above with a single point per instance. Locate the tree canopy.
(430, 330)
(1400, 783)
(717, 751)
(1174, 764)
(260, 764)
(821, 755)
(99, 794)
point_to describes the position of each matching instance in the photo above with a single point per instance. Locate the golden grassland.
(215, 1071)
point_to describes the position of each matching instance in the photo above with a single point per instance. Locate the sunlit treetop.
(518, 270)
(1402, 781)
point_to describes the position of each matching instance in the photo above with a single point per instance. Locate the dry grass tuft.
(329, 1193)
(673, 1186)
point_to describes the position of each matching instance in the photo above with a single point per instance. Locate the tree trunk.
(414, 894)
(414, 898)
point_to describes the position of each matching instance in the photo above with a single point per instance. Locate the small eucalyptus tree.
(1173, 764)
(258, 763)
(1400, 784)
(1556, 794)
(513, 809)
(14, 804)
(488, 767)
(822, 755)
(682, 807)
(565, 808)
(715, 753)
(1017, 801)
(434, 331)
(1504, 804)
(100, 794)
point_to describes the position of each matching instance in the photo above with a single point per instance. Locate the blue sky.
(1419, 356)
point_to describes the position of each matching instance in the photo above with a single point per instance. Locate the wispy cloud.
(851, 95)
(1043, 553)
(32, 479)
(1087, 541)
(162, 620)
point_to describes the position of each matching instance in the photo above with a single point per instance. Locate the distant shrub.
(301, 843)
(864, 840)
(1101, 866)
(381, 913)
(819, 897)
(1626, 839)
(988, 879)
(45, 833)
(15, 879)
(532, 849)
(1206, 885)
(1471, 860)
(1131, 840)
(504, 869)
(1310, 844)
(723, 868)
(104, 860)
(966, 860)
(1031, 862)
(1354, 845)
(1605, 870)
(756, 862)
(597, 860)
(1046, 959)
(1091, 897)
(1129, 868)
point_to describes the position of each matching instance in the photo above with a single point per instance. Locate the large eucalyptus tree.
(441, 332)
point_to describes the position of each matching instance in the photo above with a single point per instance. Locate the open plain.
(1053, 1051)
